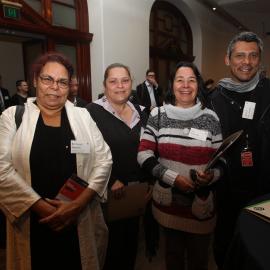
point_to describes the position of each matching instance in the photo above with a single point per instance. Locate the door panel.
(31, 50)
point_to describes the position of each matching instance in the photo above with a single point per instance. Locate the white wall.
(121, 34)
(95, 10)
(11, 66)
(216, 34)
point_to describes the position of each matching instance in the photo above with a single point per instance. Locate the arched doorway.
(170, 40)
(46, 25)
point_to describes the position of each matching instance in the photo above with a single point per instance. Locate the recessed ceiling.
(261, 6)
(254, 14)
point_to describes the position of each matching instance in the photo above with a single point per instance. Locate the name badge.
(249, 109)
(198, 134)
(246, 159)
(80, 147)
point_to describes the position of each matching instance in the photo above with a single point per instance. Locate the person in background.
(209, 85)
(180, 136)
(22, 93)
(149, 94)
(263, 73)
(120, 123)
(4, 103)
(54, 141)
(73, 93)
(4, 97)
(242, 102)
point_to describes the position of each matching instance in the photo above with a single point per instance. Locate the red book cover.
(72, 188)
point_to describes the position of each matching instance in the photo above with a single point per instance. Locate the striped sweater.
(168, 133)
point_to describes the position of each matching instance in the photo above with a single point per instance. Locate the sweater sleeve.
(148, 151)
(217, 139)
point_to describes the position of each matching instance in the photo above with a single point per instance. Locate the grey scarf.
(240, 87)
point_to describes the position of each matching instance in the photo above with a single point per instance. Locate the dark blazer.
(17, 100)
(81, 102)
(6, 97)
(144, 97)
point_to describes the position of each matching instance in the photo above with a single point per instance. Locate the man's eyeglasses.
(48, 80)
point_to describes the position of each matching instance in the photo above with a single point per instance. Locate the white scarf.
(240, 87)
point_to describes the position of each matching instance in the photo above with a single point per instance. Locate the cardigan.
(17, 196)
(123, 142)
(178, 152)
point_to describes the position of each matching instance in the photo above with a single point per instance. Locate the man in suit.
(4, 97)
(149, 94)
(73, 93)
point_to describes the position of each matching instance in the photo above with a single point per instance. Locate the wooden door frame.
(32, 22)
(156, 53)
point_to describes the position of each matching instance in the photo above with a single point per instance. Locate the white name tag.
(198, 134)
(80, 147)
(249, 109)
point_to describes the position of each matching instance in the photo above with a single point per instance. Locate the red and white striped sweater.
(168, 133)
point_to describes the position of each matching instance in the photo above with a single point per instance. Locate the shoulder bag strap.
(18, 115)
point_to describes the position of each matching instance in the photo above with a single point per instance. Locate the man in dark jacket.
(149, 94)
(73, 93)
(4, 97)
(242, 102)
(22, 93)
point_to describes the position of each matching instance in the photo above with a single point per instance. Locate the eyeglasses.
(48, 80)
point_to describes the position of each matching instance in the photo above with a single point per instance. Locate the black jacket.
(17, 100)
(6, 97)
(144, 97)
(81, 102)
(245, 183)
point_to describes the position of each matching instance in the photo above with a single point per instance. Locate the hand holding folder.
(132, 203)
(219, 152)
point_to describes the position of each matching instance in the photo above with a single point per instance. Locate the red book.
(72, 188)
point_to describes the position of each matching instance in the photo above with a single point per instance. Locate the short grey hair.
(247, 37)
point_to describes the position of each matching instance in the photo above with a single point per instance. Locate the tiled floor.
(142, 263)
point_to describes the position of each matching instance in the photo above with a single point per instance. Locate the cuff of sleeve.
(217, 174)
(169, 177)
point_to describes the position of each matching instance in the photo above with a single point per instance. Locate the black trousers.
(2, 230)
(123, 244)
(228, 210)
